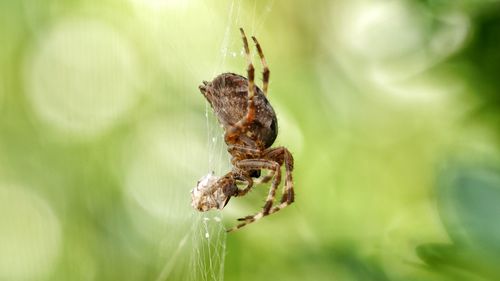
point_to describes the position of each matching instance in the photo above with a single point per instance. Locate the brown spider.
(250, 127)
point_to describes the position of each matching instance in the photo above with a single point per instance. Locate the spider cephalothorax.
(250, 127)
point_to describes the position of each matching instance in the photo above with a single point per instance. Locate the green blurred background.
(390, 108)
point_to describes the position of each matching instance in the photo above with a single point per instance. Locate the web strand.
(208, 236)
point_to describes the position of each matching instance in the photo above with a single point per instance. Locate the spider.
(250, 128)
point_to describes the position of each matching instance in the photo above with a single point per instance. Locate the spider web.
(209, 237)
(200, 253)
(208, 234)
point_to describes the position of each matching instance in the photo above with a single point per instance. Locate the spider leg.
(250, 74)
(239, 152)
(250, 116)
(265, 179)
(243, 151)
(278, 154)
(252, 164)
(265, 71)
(244, 191)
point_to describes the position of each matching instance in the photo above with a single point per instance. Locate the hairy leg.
(243, 152)
(265, 71)
(253, 164)
(283, 155)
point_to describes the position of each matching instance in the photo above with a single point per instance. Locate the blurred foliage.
(391, 109)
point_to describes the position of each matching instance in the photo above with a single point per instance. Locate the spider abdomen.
(228, 96)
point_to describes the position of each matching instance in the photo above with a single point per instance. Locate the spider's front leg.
(254, 164)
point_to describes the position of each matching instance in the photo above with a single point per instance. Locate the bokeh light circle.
(164, 161)
(82, 77)
(383, 30)
(30, 235)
